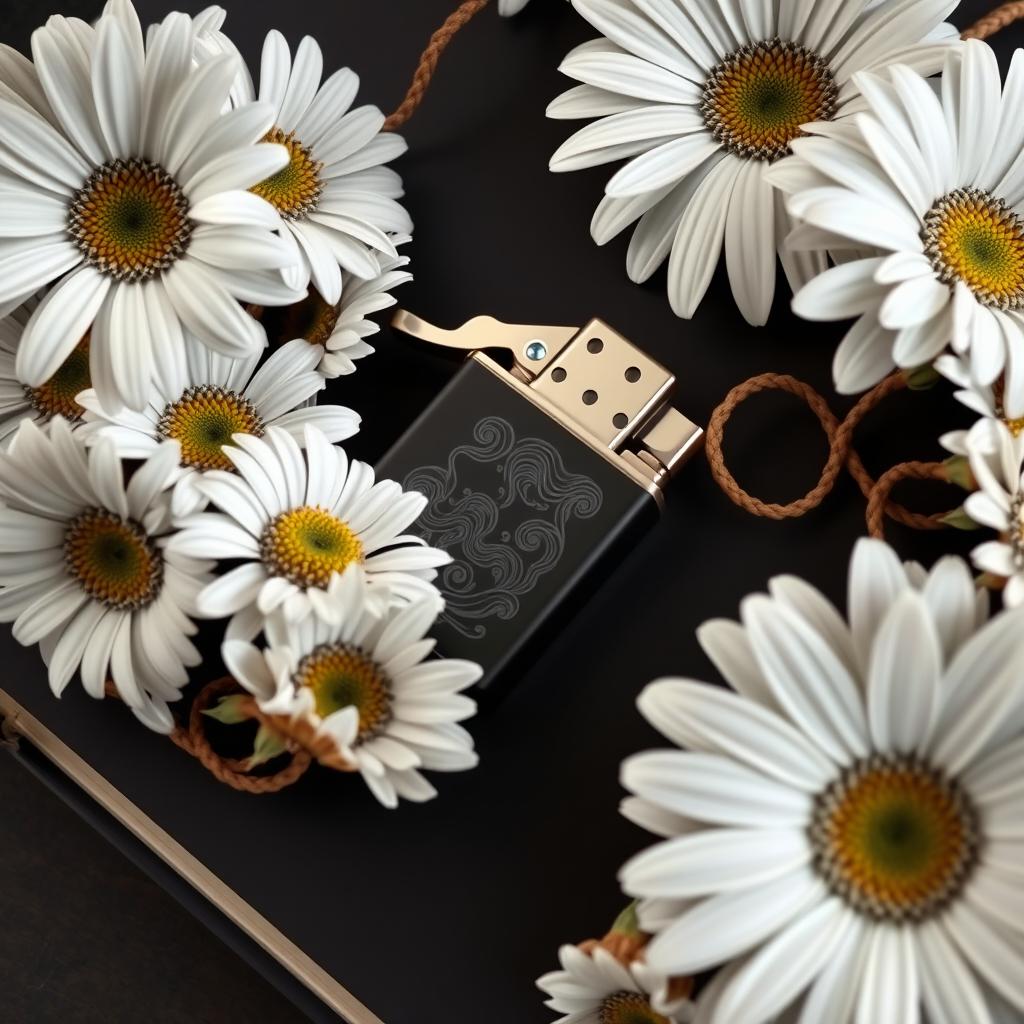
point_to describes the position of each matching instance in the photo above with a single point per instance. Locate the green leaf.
(960, 520)
(627, 922)
(269, 744)
(229, 710)
(958, 470)
(921, 378)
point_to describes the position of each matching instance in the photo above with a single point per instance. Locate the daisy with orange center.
(207, 400)
(134, 205)
(596, 988)
(354, 685)
(841, 832)
(701, 100)
(922, 197)
(336, 198)
(85, 571)
(57, 396)
(339, 331)
(996, 457)
(298, 519)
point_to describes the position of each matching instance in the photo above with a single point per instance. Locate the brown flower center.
(204, 419)
(113, 559)
(756, 98)
(56, 397)
(342, 676)
(894, 838)
(294, 190)
(973, 237)
(130, 219)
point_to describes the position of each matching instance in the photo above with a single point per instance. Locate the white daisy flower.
(358, 689)
(704, 97)
(997, 462)
(296, 520)
(209, 399)
(595, 988)
(85, 571)
(54, 397)
(849, 820)
(930, 190)
(211, 42)
(136, 208)
(335, 196)
(339, 331)
(991, 401)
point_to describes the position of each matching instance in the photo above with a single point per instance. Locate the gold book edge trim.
(172, 853)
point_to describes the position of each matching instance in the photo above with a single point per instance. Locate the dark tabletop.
(447, 912)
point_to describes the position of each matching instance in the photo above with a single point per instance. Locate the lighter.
(537, 476)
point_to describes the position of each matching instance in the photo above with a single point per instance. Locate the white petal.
(208, 310)
(698, 240)
(750, 244)
(59, 322)
(663, 165)
(843, 291)
(807, 678)
(782, 969)
(950, 991)
(890, 988)
(702, 717)
(714, 789)
(715, 860)
(903, 680)
(724, 926)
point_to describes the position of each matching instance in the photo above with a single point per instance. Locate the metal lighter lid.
(592, 380)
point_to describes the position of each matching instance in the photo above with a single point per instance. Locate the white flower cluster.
(163, 215)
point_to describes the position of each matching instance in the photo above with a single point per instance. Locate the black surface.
(448, 912)
(88, 938)
(533, 518)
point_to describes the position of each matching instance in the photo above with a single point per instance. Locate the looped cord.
(193, 740)
(841, 451)
(879, 495)
(439, 41)
(995, 21)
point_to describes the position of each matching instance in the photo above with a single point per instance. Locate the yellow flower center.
(130, 219)
(311, 319)
(972, 237)
(204, 419)
(757, 98)
(895, 839)
(307, 545)
(295, 190)
(628, 1008)
(342, 676)
(56, 397)
(998, 392)
(113, 559)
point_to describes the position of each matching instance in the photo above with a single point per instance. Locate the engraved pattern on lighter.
(504, 541)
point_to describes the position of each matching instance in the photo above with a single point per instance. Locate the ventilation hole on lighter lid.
(632, 374)
(558, 375)
(589, 397)
(620, 419)
(595, 345)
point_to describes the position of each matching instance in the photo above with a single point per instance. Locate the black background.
(447, 913)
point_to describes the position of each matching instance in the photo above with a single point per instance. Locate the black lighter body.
(537, 478)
